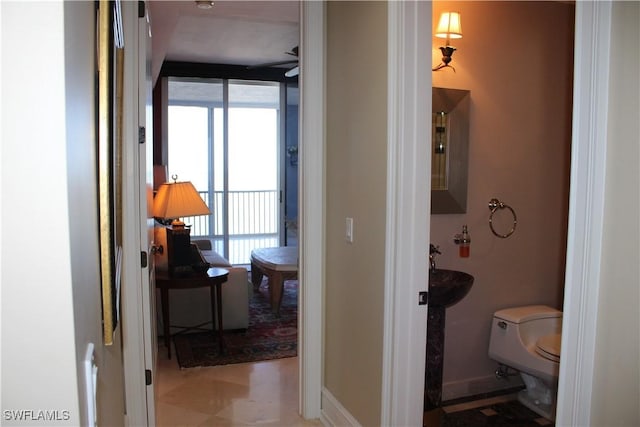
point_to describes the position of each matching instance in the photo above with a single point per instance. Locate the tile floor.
(264, 393)
(496, 411)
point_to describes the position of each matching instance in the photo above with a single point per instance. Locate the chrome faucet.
(433, 250)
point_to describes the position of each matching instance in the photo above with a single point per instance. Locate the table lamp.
(175, 200)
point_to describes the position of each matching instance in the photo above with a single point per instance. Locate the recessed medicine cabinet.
(450, 150)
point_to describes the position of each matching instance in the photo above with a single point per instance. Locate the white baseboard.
(333, 414)
(479, 385)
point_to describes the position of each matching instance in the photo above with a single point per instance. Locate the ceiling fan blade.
(272, 64)
(293, 72)
(294, 52)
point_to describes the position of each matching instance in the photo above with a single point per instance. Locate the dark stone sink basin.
(448, 287)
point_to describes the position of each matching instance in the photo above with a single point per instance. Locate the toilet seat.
(549, 347)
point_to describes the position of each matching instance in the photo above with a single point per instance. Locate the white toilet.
(528, 339)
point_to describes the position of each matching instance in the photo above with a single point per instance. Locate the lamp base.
(179, 250)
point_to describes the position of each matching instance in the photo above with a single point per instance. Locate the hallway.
(264, 393)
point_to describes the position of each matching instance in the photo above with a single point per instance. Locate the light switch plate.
(91, 385)
(349, 230)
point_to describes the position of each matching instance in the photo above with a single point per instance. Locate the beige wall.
(85, 268)
(617, 358)
(51, 305)
(520, 77)
(355, 183)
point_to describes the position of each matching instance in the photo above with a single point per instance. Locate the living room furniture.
(278, 264)
(212, 278)
(192, 307)
(175, 200)
(236, 294)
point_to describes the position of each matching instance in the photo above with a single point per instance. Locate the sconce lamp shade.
(449, 26)
(177, 200)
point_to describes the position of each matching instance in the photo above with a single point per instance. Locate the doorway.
(236, 141)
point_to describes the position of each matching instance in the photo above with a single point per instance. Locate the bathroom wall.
(516, 59)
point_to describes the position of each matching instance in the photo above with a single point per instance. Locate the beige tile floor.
(263, 393)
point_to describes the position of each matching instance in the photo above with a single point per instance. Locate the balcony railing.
(253, 222)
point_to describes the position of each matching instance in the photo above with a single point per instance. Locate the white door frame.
(582, 284)
(408, 211)
(311, 199)
(586, 207)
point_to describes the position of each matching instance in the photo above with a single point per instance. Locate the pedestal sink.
(446, 288)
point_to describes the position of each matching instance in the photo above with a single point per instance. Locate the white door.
(138, 293)
(145, 121)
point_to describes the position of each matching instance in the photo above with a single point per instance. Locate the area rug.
(267, 337)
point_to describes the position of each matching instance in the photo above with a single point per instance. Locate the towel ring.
(494, 205)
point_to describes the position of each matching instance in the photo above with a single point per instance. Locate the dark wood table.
(213, 278)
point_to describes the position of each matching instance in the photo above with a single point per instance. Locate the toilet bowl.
(528, 339)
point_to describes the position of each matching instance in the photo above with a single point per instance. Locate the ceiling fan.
(292, 72)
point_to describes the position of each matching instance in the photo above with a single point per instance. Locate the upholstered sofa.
(191, 307)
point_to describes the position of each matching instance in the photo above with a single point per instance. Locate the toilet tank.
(514, 328)
(532, 321)
(527, 313)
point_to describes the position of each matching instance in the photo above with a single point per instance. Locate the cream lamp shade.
(177, 200)
(449, 26)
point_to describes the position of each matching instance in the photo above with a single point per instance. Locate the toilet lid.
(549, 347)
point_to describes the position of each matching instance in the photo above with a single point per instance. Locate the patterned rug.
(267, 337)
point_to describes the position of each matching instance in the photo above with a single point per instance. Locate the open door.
(138, 287)
(145, 122)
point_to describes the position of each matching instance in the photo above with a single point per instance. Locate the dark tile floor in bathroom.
(510, 413)
(495, 409)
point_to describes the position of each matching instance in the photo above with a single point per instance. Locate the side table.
(278, 264)
(213, 278)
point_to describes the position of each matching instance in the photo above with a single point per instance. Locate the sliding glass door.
(253, 135)
(225, 137)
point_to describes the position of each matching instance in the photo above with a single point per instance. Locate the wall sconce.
(449, 27)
